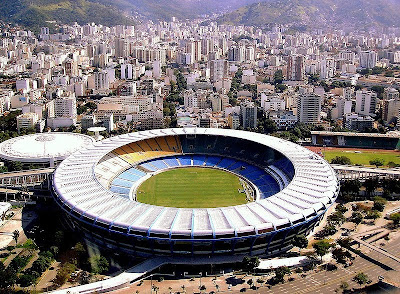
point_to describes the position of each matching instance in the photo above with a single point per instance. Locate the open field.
(363, 157)
(192, 188)
(358, 156)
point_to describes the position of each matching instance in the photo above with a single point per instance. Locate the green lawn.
(192, 187)
(364, 157)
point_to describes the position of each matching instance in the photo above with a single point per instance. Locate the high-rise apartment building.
(309, 108)
(366, 102)
(248, 115)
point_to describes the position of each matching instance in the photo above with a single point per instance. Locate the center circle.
(195, 187)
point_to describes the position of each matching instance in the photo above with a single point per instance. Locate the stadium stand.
(93, 187)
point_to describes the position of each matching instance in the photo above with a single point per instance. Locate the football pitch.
(364, 156)
(192, 187)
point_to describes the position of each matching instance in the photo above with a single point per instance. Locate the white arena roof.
(43, 147)
(313, 188)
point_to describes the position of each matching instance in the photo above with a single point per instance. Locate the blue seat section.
(120, 190)
(247, 169)
(198, 159)
(121, 182)
(268, 189)
(136, 172)
(285, 166)
(237, 165)
(159, 164)
(226, 162)
(254, 176)
(171, 161)
(148, 166)
(185, 160)
(128, 175)
(212, 160)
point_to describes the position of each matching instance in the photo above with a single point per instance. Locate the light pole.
(201, 273)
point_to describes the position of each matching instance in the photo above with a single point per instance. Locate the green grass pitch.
(363, 157)
(192, 187)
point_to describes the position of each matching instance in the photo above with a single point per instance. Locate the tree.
(373, 214)
(395, 217)
(100, 264)
(341, 208)
(28, 279)
(280, 88)
(357, 217)
(250, 282)
(250, 263)
(64, 273)
(280, 273)
(183, 289)
(203, 288)
(344, 242)
(370, 185)
(377, 162)
(278, 77)
(328, 230)
(321, 247)
(336, 218)
(379, 203)
(361, 278)
(341, 255)
(16, 166)
(300, 241)
(8, 277)
(16, 236)
(59, 238)
(343, 160)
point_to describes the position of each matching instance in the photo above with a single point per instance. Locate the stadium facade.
(96, 189)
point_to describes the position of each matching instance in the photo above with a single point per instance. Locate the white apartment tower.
(65, 106)
(368, 59)
(309, 108)
(366, 102)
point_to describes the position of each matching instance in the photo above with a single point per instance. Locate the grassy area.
(364, 157)
(192, 188)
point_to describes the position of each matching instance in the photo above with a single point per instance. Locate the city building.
(309, 108)
(27, 120)
(366, 102)
(248, 115)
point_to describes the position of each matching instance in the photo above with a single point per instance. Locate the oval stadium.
(194, 191)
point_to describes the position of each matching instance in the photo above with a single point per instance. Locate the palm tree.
(183, 288)
(217, 287)
(16, 236)
(170, 290)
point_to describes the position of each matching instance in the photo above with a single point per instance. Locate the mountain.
(312, 13)
(37, 13)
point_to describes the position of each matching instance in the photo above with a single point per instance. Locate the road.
(372, 263)
(326, 282)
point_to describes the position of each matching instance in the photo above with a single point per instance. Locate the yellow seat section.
(137, 152)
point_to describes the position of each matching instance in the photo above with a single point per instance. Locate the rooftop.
(43, 147)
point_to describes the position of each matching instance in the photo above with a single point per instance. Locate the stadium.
(194, 191)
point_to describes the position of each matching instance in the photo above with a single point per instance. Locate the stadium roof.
(44, 147)
(313, 188)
